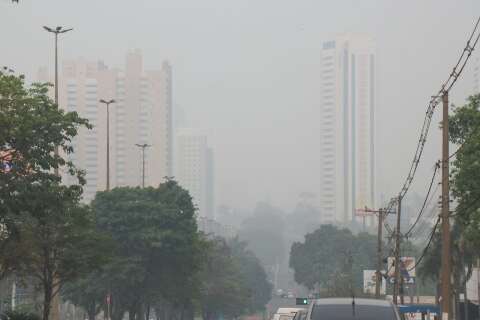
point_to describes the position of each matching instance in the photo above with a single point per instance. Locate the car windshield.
(347, 312)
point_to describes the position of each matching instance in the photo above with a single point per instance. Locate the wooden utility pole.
(446, 241)
(378, 283)
(396, 285)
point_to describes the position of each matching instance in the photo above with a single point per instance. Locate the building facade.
(142, 113)
(194, 170)
(347, 126)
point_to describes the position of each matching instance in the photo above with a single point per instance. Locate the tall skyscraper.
(348, 126)
(194, 170)
(142, 113)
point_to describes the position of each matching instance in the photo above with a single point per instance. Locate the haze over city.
(248, 74)
(239, 160)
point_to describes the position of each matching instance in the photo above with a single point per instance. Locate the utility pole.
(396, 287)
(143, 147)
(446, 241)
(378, 283)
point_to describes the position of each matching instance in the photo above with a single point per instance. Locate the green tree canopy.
(157, 251)
(31, 127)
(465, 131)
(253, 274)
(333, 259)
(224, 292)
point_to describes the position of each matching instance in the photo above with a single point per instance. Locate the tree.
(464, 131)
(56, 238)
(223, 292)
(253, 274)
(31, 127)
(45, 232)
(156, 254)
(333, 259)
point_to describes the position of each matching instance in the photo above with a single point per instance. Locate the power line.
(434, 101)
(437, 166)
(432, 234)
(431, 214)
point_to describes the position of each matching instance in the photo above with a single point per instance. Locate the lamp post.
(143, 147)
(107, 103)
(56, 31)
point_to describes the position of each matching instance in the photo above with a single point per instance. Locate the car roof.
(365, 302)
(288, 310)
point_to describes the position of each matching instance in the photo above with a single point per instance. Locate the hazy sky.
(248, 73)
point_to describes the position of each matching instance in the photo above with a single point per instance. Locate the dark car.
(352, 309)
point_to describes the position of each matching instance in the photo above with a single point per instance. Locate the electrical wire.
(437, 166)
(434, 101)
(432, 234)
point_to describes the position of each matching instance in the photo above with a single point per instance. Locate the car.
(286, 313)
(352, 309)
(301, 315)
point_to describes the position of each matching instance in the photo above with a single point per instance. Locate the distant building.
(194, 170)
(141, 114)
(347, 126)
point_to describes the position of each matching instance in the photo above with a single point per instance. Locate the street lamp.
(56, 31)
(107, 103)
(143, 147)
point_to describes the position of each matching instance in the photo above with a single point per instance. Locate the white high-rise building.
(142, 113)
(194, 170)
(348, 126)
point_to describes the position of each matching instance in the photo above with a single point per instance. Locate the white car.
(286, 313)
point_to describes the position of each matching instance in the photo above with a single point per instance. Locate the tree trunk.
(47, 299)
(140, 314)
(160, 312)
(147, 311)
(131, 314)
(117, 311)
(92, 310)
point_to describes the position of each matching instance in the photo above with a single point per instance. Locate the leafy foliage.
(157, 249)
(465, 130)
(253, 275)
(46, 234)
(333, 259)
(223, 293)
(19, 315)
